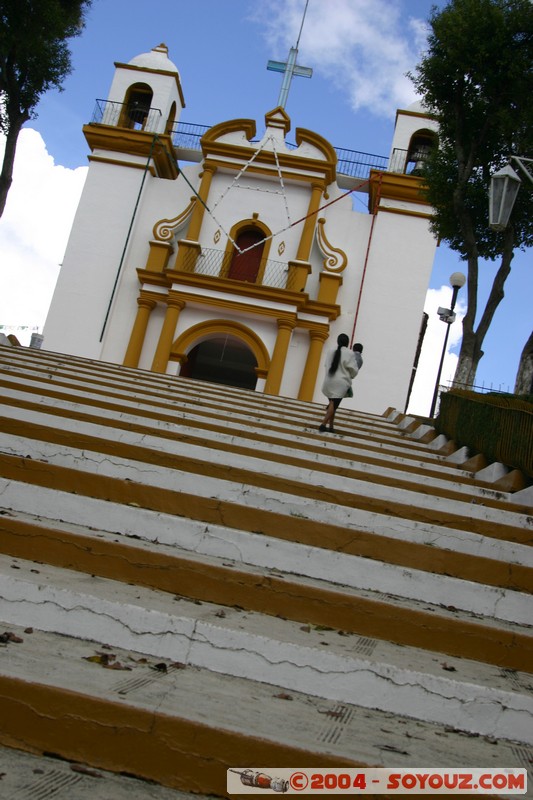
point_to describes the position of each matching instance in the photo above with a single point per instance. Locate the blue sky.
(359, 51)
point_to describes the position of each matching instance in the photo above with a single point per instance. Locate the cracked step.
(262, 513)
(98, 704)
(466, 695)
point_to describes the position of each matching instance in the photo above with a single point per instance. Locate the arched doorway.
(222, 359)
(245, 265)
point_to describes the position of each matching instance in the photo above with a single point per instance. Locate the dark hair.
(357, 348)
(342, 341)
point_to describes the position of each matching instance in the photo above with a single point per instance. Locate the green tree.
(476, 77)
(34, 57)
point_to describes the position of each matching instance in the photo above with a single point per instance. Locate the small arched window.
(171, 119)
(420, 146)
(136, 110)
(247, 259)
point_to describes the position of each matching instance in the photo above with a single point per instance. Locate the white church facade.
(242, 261)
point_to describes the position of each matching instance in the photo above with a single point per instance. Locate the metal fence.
(221, 264)
(353, 163)
(107, 112)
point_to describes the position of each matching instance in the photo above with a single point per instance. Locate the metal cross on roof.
(290, 68)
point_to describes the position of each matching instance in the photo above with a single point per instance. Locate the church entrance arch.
(222, 359)
(221, 352)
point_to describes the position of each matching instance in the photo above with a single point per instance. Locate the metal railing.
(357, 164)
(353, 163)
(221, 264)
(121, 115)
(186, 136)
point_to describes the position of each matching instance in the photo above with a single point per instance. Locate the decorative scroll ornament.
(335, 258)
(165, 229)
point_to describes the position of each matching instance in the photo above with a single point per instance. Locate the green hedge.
(498, 425)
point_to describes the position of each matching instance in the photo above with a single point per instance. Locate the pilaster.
(312, 364)
(166, 337)
(138, 331)
(279, 356)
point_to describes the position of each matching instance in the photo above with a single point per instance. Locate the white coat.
(336, 385)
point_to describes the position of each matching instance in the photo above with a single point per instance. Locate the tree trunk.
(524, 376)
(471, 347)
(6, 175)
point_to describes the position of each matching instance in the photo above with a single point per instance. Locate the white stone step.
(439, 506)
(26, 776)
(350, 570)
(463, 694)
(79, 374)
(385, 467)
(183, 401)
(222, 721)
(209, 563)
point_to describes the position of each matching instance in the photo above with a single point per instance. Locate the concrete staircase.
(193, 578)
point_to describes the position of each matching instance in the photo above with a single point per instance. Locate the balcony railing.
(219, 264)
(352, 163)
(122, 115)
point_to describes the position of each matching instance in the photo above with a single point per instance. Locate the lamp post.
(457, 279)
(504, 186)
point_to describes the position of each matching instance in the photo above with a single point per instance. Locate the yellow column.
(279, 356)
(166, 337)
(195, 223)
(188, 247)
(138, 331)
(306, 240)
(312, 364)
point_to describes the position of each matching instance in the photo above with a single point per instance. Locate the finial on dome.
(161, 48)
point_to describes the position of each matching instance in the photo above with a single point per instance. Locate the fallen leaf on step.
(101, 658)
(283, 696)
(8, 636)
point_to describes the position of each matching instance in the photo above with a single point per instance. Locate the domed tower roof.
(156, 59)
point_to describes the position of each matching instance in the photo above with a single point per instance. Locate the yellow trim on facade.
(286, 326)
(260, 293)
(317, 336)
(145, 305)
(165, 229)
(395, 186)
(270, 172)
(228, 305)
(406, 113)
(335, 259)
(174, 306)
(212, 146)
(118, 163)
(137, 143)
(405, 211)
(278, 118)
(203, 330)
(165, 72)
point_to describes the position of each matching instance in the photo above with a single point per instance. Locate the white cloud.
(426, 376)
(364, 47)
(33, 233)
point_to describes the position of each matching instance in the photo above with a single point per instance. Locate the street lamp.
(504, 186)
(447, 315)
